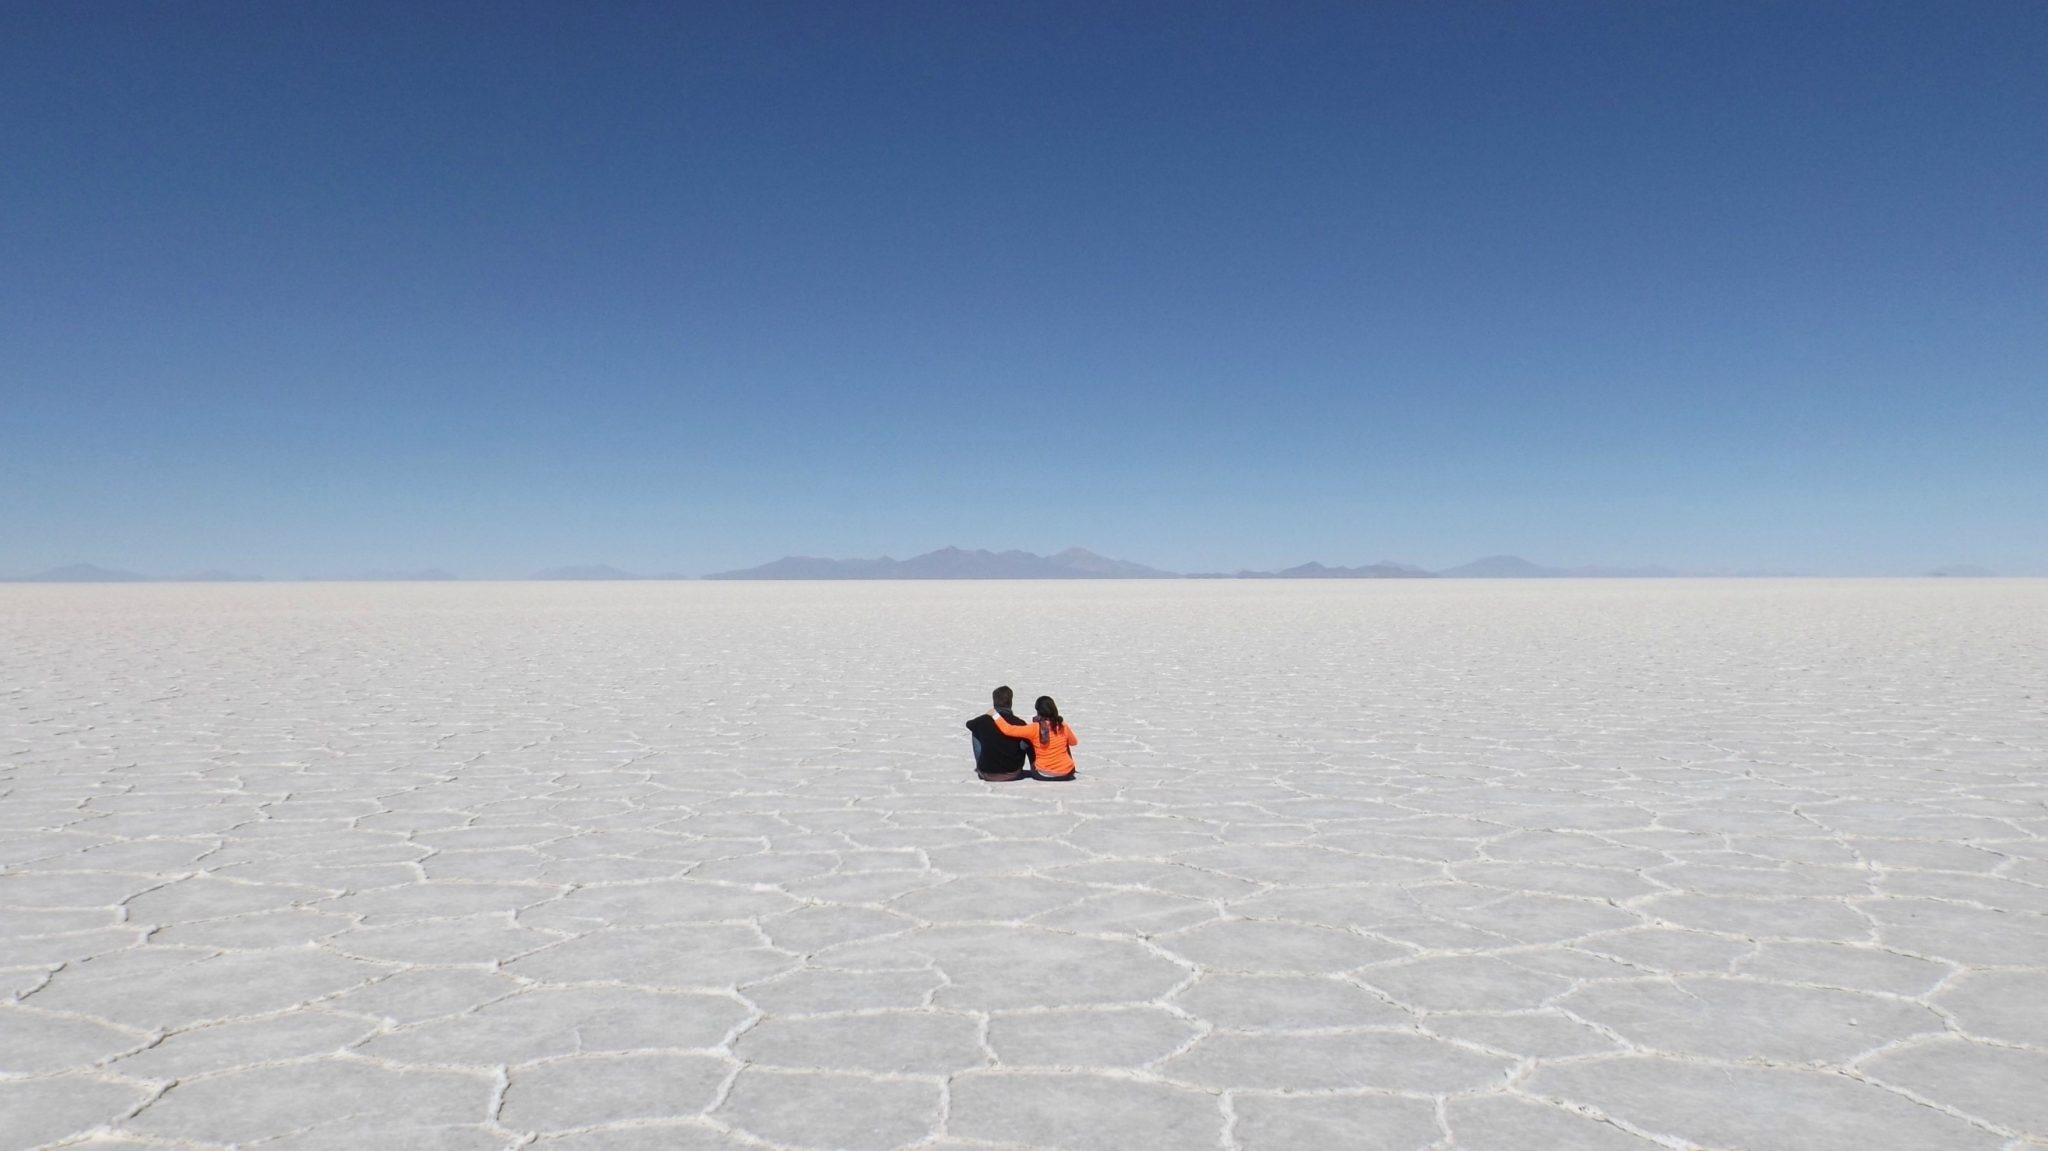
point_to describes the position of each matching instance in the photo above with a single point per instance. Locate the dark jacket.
(994, 752)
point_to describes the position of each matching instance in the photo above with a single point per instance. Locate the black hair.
(1049, 720)
(1002, 697)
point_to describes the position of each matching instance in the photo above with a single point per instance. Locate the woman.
(1050, 738)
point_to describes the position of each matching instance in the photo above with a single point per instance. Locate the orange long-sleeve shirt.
(1049, 755)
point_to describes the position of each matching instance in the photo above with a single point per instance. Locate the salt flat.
(1405, 865)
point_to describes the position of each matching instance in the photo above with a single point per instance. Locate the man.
(997, 757)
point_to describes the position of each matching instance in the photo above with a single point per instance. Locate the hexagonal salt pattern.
(1405, 866)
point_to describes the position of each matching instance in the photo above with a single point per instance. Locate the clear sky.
(317, 288)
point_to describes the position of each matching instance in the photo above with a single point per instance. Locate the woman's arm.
(1072, 739)
(1016, 730)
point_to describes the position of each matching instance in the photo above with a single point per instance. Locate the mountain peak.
(1499, 567)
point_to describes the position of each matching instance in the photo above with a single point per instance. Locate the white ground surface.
(1493, 866)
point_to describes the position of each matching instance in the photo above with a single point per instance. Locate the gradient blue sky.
(317, 288)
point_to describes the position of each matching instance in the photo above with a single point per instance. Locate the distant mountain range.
(953, 563)
(1313, 570)
(1515, 567)
(961, 564)
(1079, 563)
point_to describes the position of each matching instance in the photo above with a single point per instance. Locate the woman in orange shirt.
(1050, 738)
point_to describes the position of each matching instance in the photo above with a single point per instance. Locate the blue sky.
(320, 288)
